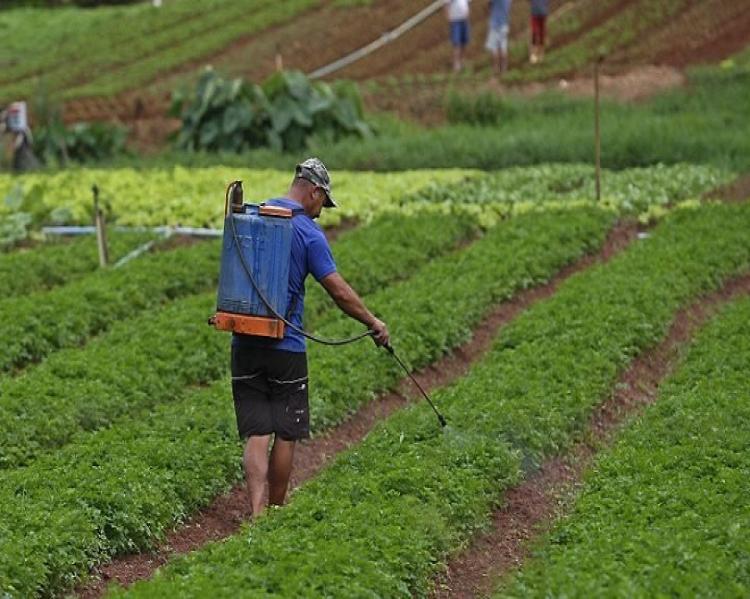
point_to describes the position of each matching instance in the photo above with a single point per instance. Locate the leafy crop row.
(637, 191)
(380, 519)
(68, 510)
(38, 323)
(51, 264)
(665, 511)
(195, 197)
(144, 361)
(390, 249)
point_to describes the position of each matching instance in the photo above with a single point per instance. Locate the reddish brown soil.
(703, 32)
(225, 515)
(737, 191)
(531, 508)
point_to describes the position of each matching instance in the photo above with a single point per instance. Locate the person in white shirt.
(458, 17)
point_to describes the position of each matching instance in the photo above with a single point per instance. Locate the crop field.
(665, 508)
(130, 432)
(560, 251)
(119, 48)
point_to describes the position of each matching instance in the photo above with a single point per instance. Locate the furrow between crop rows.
(172, 348)
(225, 515)
(380, 519)
(530, 507)
(68, 510)
(664, 513)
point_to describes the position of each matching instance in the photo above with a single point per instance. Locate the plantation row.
(146, 41)
(56, 263)
(380, 519)
(42, 322)
(193, 197)
(164, 349)
(39, 323)
(665, 511)
(620, 32)
(641, 192)
(67, 510)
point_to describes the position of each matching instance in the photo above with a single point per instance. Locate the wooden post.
(101, 229)
(597, 130)
(279, 59)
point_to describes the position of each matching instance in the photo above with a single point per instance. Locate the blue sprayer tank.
(264, 237)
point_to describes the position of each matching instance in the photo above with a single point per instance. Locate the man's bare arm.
(352, 305)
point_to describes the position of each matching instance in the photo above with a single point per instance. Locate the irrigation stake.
(101, 229)
(597, 129)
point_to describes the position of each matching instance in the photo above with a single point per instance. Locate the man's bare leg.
(255, 459)
(279, 470)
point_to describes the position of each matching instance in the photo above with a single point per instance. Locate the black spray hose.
(440, 417)
(368, 333)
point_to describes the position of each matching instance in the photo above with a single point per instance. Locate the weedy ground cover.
(89, 391)
(664, 512)
(118, 48)
(380, 519)
(56, 262)
(68, 510)
(195, 196)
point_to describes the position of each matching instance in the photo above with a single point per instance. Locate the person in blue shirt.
(497, 34)
(269, 376)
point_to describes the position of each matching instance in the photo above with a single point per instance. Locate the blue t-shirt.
(499, 13)
(539, 8)
(310, 254)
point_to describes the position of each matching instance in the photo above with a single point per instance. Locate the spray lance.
(262, 325)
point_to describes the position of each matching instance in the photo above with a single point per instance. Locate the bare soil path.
(227, 513)
(531, 508)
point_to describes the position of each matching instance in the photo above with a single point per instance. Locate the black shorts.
(270, 393)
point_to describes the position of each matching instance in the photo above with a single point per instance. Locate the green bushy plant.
(57, 143)
(282, 113)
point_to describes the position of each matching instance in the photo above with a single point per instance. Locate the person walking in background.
(497, 36)
(458, 17)
(538, 30)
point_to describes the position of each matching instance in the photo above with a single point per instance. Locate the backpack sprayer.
(253, 289)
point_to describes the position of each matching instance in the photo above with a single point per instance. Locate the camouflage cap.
(315, 171)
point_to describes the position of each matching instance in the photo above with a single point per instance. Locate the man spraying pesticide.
(261, 300)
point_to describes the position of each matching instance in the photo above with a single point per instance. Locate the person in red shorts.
(538, 30)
